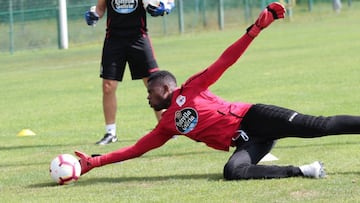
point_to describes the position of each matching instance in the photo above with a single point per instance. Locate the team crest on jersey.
(124, 6)
(186, 120)
(180, 100)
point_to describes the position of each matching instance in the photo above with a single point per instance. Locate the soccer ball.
(65, 169)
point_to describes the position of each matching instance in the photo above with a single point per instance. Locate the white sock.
(111, 128)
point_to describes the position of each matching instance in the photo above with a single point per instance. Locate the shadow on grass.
(209, 177)
(92, 181)
(307, 145)
(344, 173)
(179, 154)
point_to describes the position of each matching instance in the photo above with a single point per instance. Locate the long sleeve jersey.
(195, 112)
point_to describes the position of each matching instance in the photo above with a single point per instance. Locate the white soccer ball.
(65, 169)
(155, 3)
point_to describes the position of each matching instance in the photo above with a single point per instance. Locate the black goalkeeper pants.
(264, 124)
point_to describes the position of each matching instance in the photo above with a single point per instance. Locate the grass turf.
(310, 64)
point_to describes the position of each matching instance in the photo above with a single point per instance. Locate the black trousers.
(264, 124)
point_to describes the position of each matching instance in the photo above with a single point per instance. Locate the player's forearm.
(227, 58)
(122, 154)
(101, 8)
(235, 51)
(148, 142)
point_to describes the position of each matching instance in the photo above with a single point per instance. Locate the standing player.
(195, 112)
(126, 41)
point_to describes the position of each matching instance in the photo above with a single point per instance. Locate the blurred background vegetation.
(29, 25)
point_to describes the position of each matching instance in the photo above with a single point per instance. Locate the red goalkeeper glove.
(272, 12)
(87, 162)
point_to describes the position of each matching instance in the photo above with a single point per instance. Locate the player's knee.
(234, 171)
(227, 173)
(109, 87)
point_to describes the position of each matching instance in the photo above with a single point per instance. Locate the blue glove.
(91, 16)
(161, 9)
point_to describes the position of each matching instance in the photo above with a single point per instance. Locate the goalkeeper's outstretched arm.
(211, 74)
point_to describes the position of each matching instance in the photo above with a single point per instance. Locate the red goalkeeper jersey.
(196, 112)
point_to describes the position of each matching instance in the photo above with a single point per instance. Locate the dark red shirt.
(196, 112)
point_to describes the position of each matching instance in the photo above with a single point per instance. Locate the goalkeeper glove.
(161, 9)
(87, 162)
(91, 16)
(272, 12)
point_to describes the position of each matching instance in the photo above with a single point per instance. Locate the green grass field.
(310, 64)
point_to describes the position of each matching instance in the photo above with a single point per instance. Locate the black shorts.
(137, 52)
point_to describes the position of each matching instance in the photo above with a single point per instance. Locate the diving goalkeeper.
(195, 112)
